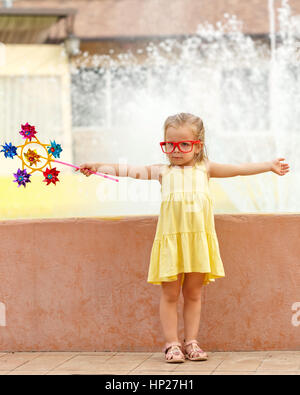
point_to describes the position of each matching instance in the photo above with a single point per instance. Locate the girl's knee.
(171, 290)
(170, 297)
(192, 294)
(192, 286)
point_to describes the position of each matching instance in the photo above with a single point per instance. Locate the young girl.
(185, 253)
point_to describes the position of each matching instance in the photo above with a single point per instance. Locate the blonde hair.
(196, 125)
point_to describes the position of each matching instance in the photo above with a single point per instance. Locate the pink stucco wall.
(80, 284)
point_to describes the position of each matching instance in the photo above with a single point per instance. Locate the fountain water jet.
(246, 93)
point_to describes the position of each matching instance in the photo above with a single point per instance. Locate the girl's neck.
(188, 164)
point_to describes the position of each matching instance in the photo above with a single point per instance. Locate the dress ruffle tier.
(186, 253)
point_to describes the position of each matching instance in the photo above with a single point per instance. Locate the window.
(33, 99)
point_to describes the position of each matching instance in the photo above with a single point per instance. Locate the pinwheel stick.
(76, 167)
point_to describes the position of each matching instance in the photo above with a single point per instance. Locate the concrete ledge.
(79, 284)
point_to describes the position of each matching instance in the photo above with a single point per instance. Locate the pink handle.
(94, 172)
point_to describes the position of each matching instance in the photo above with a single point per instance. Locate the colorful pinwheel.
(51, 176)
(32, 157)
(22, 177)
(9, 150)
(28, 131)
(54, 149)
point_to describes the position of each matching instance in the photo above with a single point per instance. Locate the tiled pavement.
(142, 363)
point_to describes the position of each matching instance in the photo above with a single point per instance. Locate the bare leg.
(168, 309)
(191, 291)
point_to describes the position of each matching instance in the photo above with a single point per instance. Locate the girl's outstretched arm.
(147, 172)
(247, 169)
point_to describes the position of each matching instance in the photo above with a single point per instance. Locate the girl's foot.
(173, 352)
(193, 352)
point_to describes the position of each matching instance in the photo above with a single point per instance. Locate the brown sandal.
(173, 352)
(195, 353)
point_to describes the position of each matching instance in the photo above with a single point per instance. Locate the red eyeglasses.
(184, 146)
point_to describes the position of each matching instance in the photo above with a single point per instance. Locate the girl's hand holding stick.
(91, 168)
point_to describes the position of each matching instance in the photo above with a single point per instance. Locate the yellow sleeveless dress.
(185, 239)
